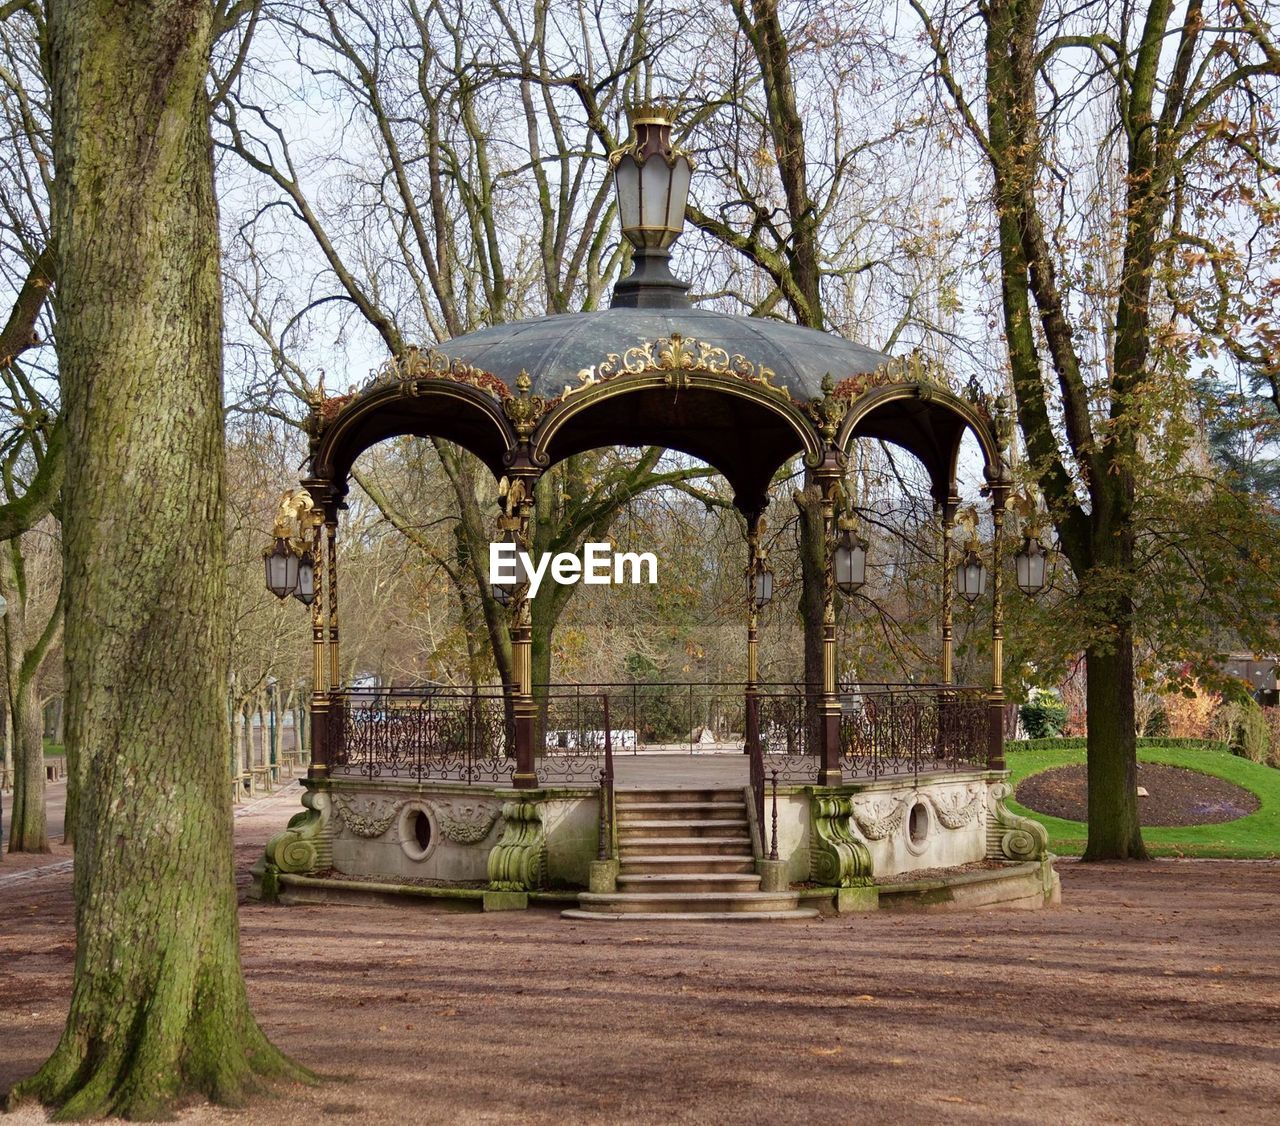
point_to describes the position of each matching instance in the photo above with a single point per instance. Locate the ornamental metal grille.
(414, 734)
(896, 730)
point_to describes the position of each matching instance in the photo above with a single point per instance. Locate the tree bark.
(158, 1006)
(28, 827)
(1114, 832)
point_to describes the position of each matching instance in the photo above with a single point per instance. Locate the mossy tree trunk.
(158, 1006)
(24, 652)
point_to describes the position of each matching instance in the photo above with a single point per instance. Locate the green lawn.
(1254, 837)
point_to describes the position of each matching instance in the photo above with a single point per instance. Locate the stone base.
(265, 884)
(603, 877)
(849, 900)
(1028, 886)
(773, 875)
(506, 900)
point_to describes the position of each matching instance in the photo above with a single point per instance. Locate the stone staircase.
(686, 854)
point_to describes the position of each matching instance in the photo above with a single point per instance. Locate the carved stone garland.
(950, 811)
(464, 823)
(369, 819)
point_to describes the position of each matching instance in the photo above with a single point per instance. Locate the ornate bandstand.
(530, 793)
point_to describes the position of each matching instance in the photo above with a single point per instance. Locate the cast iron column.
(336, 702)
(995, 702)
(319, 764)
(524, 709)
(752, 696)
(949, 507)
(829, 772)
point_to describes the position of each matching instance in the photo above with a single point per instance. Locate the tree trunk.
(1114, 832)
(158, 1006)
(28, 829)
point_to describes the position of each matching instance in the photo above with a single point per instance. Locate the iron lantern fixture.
(1031, 563)
(505, 592)
(971, 575)
(282, 565)
(289, 563)
(760, 583)
(850, 558)
(651, 178)
(305, 591)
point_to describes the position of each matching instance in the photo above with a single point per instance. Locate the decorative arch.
(426, 407)
(745, 429)
(929, 421)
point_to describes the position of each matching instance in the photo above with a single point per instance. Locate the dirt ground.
(1151, 995)
(1174, 795)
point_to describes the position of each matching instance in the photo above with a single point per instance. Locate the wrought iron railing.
(418, 734)
(468, 735)
(894, 730)
(650, 717)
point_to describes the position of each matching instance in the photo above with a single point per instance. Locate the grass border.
(1255, 837)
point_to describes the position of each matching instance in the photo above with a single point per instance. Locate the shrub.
(1190, 713)
(1272, 716)
(1043, 715)
(1158, 724)
(1072, 743)
(1245, 728)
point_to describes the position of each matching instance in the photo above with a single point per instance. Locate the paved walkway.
(281, 805)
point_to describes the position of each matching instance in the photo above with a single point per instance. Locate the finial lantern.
(652, 181)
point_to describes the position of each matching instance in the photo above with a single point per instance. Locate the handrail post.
(773, 839)
(755, 751)
(605, 850)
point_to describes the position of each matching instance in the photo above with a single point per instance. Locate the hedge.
(1079, 743)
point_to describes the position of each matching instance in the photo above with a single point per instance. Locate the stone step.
(736, 846)
(686, 810)
(688, 881)
(796, 915)
(628, 903)
(645, 864)
(719, 797)
(704, 827)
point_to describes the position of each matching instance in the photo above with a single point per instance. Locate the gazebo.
(488, 774)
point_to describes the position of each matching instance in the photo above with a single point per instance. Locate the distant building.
(1259, 673)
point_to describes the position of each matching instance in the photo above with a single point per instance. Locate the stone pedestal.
(603, 877)
(506, 900)
(773, 875)
(849, 900)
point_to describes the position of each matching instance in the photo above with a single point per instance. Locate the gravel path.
(1152, 995)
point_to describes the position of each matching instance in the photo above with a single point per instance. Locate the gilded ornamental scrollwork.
(675, 357)
(414, 364)
(524, 411)
(914, 368)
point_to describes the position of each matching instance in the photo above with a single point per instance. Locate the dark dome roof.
(554, 349)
